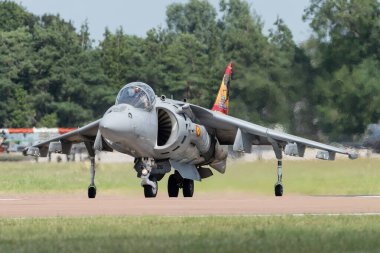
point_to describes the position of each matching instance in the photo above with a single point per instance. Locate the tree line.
(327, 86)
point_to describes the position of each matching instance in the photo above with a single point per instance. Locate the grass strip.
(344, 177)
(192, 234)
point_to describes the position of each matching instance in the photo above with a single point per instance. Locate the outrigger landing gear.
(278, 188)
(92, 187)
(175, 182)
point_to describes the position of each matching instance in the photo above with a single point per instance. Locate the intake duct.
(166, 123)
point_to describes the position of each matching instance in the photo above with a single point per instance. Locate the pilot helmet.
(131, 92)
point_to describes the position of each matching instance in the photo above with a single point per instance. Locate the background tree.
(347, 31)
(15, 64)
(345, 54)
(52, 75)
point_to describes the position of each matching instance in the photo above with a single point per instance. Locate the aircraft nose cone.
(114, 126)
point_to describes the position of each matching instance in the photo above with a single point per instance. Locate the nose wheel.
(150, 191)
(148, 181)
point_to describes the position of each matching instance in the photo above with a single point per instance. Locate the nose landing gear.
(149, 190)
(147, 181)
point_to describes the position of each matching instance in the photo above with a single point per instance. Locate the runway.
(48, 205)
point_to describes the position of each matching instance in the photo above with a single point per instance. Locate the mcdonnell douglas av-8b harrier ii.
(162, 134)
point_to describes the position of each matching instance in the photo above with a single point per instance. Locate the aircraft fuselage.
(164, 132)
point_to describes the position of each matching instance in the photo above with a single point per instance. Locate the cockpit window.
(139, 95)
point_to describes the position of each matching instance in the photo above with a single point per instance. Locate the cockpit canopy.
(138, 95)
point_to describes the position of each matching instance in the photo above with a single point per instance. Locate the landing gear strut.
(175, 182)
(92, 188)
(147, 181)
(278, 188)
(151, 191)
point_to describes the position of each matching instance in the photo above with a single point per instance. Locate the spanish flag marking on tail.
(221, 102)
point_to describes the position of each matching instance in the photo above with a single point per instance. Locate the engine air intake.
(165, 126)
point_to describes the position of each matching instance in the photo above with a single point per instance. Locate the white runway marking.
(336, 214)
(268, 215)
(78, 205)
(369, 196)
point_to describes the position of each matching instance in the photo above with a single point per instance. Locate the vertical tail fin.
(222, 100)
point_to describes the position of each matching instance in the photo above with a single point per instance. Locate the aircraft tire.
(149, 192)
(187, 188)
(91, 192)
(173, 187)
(278, 190)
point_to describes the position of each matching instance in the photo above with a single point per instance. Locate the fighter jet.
(165, 135)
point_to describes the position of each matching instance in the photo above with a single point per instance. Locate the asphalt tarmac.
(49, 205)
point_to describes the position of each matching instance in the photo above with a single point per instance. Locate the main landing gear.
(151, 171)
(175, 182)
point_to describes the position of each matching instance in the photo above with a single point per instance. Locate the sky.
(137, 17)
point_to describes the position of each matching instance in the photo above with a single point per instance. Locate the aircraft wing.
(242, 135)
(85, 134)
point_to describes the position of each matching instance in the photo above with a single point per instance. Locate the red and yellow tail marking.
(221, 102)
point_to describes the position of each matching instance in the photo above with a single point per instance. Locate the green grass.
(345, 176)
(195, 234)
(14, 157)
(192, 234)
(360, 176)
